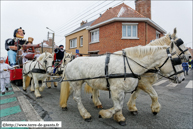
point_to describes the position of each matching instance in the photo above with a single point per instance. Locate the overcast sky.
(64, 16)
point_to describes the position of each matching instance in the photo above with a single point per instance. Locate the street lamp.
(52, 38)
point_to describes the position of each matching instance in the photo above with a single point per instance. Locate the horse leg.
(77, 97)
(155, 106)
(95, 98)
(131, 104)
(49, 84)
(37, 93)
(118, 99)
(55, 83)
(32, 85)
(24, 85)
(43, 85)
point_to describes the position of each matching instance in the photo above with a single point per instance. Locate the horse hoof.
(122, 123)
(25, 90)
(134, 113)
(32, 91)
(49, 87)
(91, 97)
(55, 86)
(100, 116)
(88, 119)
(155, 113)
(64, 108)
(38, 97)
(99, 107)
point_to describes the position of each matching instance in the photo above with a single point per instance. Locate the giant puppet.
(13, 45)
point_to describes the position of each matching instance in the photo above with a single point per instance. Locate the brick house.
(121, 27)
(47, 46)
(78, 39)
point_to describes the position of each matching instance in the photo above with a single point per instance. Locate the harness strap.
(106, 73)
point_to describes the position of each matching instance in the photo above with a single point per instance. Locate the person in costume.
(4, 75)
(13, 45)
(59, 56)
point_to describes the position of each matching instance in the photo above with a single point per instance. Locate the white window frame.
(81, 44)
(130, 24)
(73, 44)
(157, 34)
(97, 36)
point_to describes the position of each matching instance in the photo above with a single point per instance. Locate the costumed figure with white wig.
(4, 75)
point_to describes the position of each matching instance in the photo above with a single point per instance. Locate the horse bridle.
(178, 43)
(67, 57)
(174, 61)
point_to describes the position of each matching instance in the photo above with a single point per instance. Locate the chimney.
(83, 22)
(143, 7)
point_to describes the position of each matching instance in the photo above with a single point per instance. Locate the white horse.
(148, 56)
(148, 79)
(66, 59)
(43, 63)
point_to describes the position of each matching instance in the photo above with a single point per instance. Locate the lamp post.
(52, 38)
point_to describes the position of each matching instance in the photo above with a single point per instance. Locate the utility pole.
(42, 47)
(48, 36)
(52, 38)
(53, 42)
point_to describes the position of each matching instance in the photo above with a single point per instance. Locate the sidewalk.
(15, 107)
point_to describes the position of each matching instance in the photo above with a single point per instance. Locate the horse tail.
(88, 89)
(64, 93)
(27, 81)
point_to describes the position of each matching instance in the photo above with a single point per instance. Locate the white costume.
(24, 59)
(4, 75)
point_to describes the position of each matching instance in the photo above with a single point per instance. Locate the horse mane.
(41, 57)
(165, 40)
(141, 51)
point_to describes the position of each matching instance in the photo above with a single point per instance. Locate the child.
(4, 75)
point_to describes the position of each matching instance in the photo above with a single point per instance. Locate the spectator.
(185, 68)
(4, 75)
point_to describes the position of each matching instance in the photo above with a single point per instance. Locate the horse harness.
(178, 43)
(38, 70)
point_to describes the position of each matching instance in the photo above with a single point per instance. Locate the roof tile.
(121, 10)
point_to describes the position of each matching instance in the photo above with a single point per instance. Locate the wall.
(84, 48)
(110, 37)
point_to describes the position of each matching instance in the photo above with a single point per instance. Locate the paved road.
(176, 112)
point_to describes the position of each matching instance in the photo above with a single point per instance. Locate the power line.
(84, 17)
(91, 17)
(80, 16)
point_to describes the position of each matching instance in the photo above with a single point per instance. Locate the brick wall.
(143, 7)
(110, 37)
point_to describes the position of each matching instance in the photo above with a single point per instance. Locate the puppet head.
(19, 33)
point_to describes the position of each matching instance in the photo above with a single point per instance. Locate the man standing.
(185, 67)
(4, 75)
(12, 47)
(59, 56)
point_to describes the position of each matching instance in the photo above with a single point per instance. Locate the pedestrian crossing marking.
(160, 82)
(8, 100)
(172, 85)
(7, 93)
(189, 85)
(10, 111)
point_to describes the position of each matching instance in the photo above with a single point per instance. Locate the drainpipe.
(146, 33)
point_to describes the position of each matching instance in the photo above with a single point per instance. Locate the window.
(157, 34)
(81, 41)
(129, 31)
(94, 36)
(73, 43)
